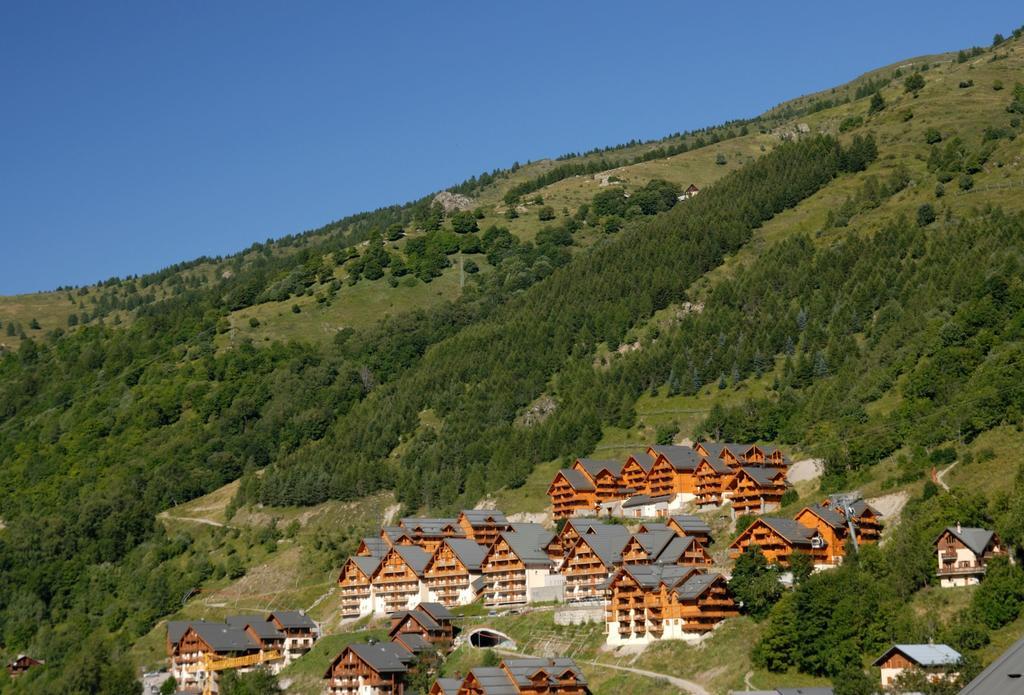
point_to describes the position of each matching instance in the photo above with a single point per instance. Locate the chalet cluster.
(662, 568)
(821, 531)
(198, 649)
(663, 479)
(382, 668)
(530, 676)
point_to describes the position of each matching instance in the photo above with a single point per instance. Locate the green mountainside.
(848, 284)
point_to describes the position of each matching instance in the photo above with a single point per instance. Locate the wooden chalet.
(572, 494)
(756, 490)
(200, 639)
(356, 585)
(373, 546)
(431, 621)
(690, 192)
(963, 554)
(832, 528)
(732, 455)
(937, 661)
(646, 603)
(673, 471)
(369, 669)
(483, 525)
(636, 470)
(263, 633)
(527, 676)
(398, 582)
(299, 630)
(22, 663)
(565, 539)
(589, 562)
(516, 567)
(779, 538)
(454, 573)
(713, 477)
(770, 456)
(867, 521)
(606, 477)
(663, 546)
(429, 533)
(445, 686)
(689, 525)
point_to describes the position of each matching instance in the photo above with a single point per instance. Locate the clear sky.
(137, 134)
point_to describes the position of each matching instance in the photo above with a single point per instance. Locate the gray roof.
(696, 585)
(643, 459)
(264, 629)
(654, 542)
(494, 681)
(449, 686)
(293, 620)
(794, 532)
(482, 517)
(414, 556)
(671, 553)
(422, 617)
(595, 466)
(977, 539)
(682, 458)
(654, 527)
(521, 670)
(761, 475)
(430, 527)
(383, 657)
(607, 542)
(641, 500)
(716, 448)
(577, 480)
(470, 553)
(436, 610)
(367, 565)
(177, 628)
(527, 542)
(414, 641)
(652, 576)
(224, 638)
(394, 532)
(377, 546)
(1004, 675)
(829, 516)
(691, 524)
(924, 654)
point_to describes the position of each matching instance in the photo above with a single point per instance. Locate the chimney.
(958, 527)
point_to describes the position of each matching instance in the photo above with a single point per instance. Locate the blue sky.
(137, 134)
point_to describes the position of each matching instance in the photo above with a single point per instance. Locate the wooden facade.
(635, 472)
(398, 584)
(447, 577)
(778, 539)
(439, 631)
(22, 663)
(756, 490)
(571, 493)
(606, 476)
(526, 676)
(712, 480)
(666, 479)
(355, 585)
(353, 672)
(591, 560)
(504, 574)
(963, 554)
(484, 528)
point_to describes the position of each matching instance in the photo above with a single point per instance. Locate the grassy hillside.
(847, 284)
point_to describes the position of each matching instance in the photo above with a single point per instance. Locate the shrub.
(849, 123)
(932, 136)
(546, 213)
(925, 215)
(914, 83)
(720, 158)
(966, 182)
(940, 190)
(964, 84)
(877, 103)
(296, 309)
(254, 322)
(997, 85)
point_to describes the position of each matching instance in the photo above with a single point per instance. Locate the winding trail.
(942, 475)
(193, 519)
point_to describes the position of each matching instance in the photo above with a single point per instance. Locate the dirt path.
(193, 519)
(807, 469)
(941, 476)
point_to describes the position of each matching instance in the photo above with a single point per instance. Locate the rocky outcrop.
(453, 201)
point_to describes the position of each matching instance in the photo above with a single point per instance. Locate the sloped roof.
(595, 466)
(607, 542)
(436, 610)
(366, 564)
(860, 507)
(977, 539)
(1004, 675)
(430, 527)
(652, 576)
(377, 546)
(414, 641)
(494, 681)
(794, 532)
(521, 670)
(642, 458)
(829, 516)
(449, 686)
(641, 500)
(691, 524)
(654, 542)
(383, 657)
(422, 617)
(177, 628)
(760, 475)
(924, 654)
(682, 458)
(675, 549)
(716, 448)
(414, 556)
(394, 532)
(224, 638)
(654, 527)
(696, 585)
(577, 480)
(527, 541)
(481, 517)
(717, 465)
(293, 620)
(264, 629)
(470, 553)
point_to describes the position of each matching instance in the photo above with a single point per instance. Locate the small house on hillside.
(690, 191)
(963, 554)
(22, 663)
(937, 661)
